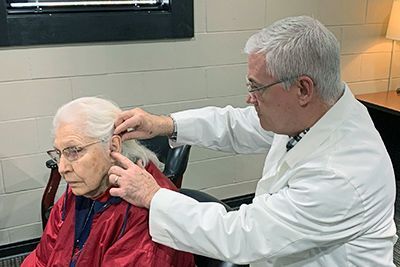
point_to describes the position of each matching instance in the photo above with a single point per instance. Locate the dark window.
(33, 22)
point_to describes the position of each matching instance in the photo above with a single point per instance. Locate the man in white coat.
(327, 191)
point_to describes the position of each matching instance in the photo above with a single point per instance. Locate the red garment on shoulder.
(104, 247)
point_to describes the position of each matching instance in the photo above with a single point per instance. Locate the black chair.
(175, 161)
(50, 191)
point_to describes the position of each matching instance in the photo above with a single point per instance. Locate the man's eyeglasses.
(71, 153)
(253, 89)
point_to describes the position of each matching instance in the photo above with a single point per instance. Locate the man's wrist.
(151, 196)
(174, 133)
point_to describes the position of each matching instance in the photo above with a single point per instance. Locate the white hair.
(298, 46)
(95, 118)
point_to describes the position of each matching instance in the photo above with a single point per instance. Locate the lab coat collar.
(322, 129)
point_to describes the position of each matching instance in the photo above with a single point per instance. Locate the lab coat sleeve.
(304, 215)
(226, 129)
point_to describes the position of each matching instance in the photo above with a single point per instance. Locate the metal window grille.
(43, 6)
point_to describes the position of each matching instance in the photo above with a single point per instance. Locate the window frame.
(96, 26)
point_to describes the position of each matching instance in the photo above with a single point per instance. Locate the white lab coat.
(327, 202)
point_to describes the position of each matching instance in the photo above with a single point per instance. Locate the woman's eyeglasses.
(71, 153)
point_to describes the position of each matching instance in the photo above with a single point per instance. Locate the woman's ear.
(116, 144)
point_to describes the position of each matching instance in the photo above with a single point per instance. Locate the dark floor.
(13, 261)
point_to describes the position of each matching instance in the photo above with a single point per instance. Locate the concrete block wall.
(162, 77)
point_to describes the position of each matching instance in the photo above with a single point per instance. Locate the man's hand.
(133, 183)
(138, 124)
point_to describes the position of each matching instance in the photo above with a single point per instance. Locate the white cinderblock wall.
(163, 77)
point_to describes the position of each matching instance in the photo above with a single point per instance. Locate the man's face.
(274, 105)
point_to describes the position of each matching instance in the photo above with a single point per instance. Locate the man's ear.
(116, 143)
(306, 90)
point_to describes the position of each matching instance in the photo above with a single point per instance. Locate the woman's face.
(87, 175)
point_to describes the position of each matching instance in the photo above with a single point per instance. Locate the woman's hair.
(95, 118)
(298, 46)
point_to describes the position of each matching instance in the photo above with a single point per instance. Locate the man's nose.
(251, 99)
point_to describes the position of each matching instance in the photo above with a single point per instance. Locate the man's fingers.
(114, 179)
(116, 192)
(126, 124)
(122, 193)
(123, 161)
(133, 135)
(140, 163)
(124, 115)
(134, 184)
(129, 119)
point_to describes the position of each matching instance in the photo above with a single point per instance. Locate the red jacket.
(110, 242)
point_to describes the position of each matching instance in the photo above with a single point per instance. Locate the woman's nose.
(63, 165)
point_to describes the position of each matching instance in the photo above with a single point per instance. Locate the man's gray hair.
(298, 46)
(95, 117)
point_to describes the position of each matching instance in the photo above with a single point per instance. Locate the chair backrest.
(50, 191)
(175, 160)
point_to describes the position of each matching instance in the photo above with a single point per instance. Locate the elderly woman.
(87, 226)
